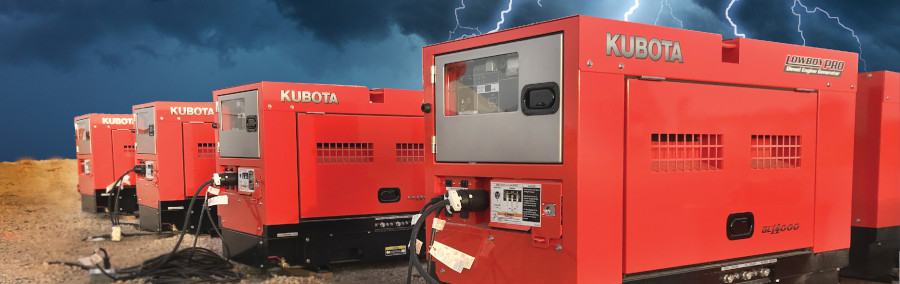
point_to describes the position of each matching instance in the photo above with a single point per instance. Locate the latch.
(252, 123)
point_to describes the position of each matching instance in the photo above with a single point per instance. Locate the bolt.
(292, 106)
(260, 203)
(828, 84)
(307, 260)
(260, 242)
(764, 272)
(331, 235)
(590, 63)
(307, 240)
(491, 238)
(258, 228)
(270, 106)
(442, 271)
(558, 248)
(858, 220)
(261, 266)
(852, 86)
(869, 75)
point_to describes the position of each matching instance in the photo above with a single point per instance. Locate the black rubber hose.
(413, 257)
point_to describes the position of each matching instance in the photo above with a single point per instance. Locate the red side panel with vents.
(123, 153)
(695, 156)
(199, 155)
(345, 159)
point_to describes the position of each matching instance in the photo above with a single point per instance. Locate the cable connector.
(467, 200)
(226, 179)
(140, 169)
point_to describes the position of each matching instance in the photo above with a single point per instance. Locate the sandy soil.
(41, 221)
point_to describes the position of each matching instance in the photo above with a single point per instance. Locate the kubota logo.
(116, 120)
(778, 228)
(308, 97)
(191, 110)
(639, 47)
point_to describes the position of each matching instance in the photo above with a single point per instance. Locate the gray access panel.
(145, 130)
(83, 132)
(239, 125)
(506, 135)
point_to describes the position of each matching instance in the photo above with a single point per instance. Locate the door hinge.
(218, 107)
(218, 147)
(433, 145)
(432, 75)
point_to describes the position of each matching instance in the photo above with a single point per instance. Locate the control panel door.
(716, 172)
(239, 125)
(500, 103)
(145, 130)
(83, 136)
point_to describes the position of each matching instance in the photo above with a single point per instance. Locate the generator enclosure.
(623, 152)
(176, 148)
(104, 147)
(327, 173)
(875, 226)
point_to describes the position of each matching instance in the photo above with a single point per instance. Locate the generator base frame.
(99, 201)
(316, 244)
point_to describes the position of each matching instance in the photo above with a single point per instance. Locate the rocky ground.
(41, 221)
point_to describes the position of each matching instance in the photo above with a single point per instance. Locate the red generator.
(622, 152)
(176, 148)
(104, 144)
(875, 231)
(325, 173)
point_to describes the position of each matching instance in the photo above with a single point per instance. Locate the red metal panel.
(199, 156)
(682, 212)
(169, 182)
(123, 153)
(277, 200)
(876, 200)
(834, 170)
(814, 194)
(104, 169)
(345, 159)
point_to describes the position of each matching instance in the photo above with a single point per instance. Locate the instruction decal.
(516, 203)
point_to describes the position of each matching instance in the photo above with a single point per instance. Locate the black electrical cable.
(433, 200)
(413, 257)
(114, 212)
(183, 266)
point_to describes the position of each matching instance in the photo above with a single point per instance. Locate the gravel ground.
(41, 221)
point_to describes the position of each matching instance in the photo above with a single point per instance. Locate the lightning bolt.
(837, 19)
(474, 31)
(459, 26)
(662, 5)
(630, 11)
(502, 19)
(733, 25)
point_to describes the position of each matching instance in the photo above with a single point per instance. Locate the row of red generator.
(610, 151)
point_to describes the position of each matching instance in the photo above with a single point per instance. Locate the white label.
(126, 180)
(288, 234)
(212, 190)
(451, 257)
(516, 203)
(488, 88)
(438, 224)
(148, 172)
(90, 260)
(176, 208)
(415, 218)
(218, 200)
(418, 246)
(245, 180)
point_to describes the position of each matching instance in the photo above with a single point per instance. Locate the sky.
(60, 59)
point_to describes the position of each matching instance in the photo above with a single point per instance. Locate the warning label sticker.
(394, 250)
(516, 203)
